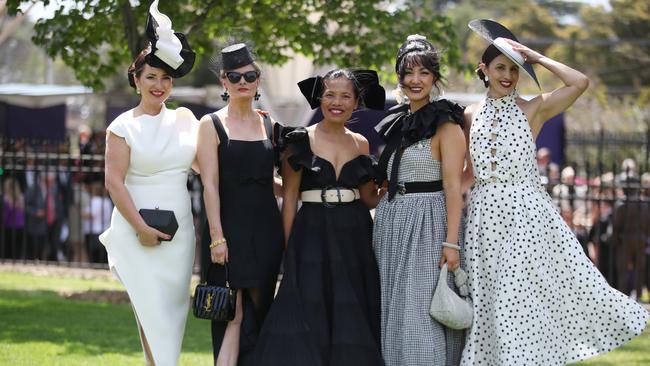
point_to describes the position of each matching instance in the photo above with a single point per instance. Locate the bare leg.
(147, 351)
(148, 357)
(229, 351)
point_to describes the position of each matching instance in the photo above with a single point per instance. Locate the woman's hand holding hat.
(530, 56)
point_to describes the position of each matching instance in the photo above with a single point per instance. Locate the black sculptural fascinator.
(170, 50)
(497, 34)
(373, 95)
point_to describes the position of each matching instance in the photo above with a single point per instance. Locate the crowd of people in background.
(54, 202)
(66, 209)
(608, 213)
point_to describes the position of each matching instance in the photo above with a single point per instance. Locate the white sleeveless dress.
(538, 300)
(157, 278)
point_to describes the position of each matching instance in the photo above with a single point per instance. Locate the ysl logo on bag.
(208, 303)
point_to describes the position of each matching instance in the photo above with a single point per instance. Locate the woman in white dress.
(149, 151)
(538, 300)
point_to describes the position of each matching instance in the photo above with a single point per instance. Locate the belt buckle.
(323, 196)
(401, 188)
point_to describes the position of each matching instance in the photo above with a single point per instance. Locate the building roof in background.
(39, 95)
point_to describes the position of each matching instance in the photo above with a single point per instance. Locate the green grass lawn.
(41, 325)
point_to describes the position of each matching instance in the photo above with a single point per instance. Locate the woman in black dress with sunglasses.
(244, 229)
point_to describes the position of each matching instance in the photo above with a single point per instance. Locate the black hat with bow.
(373, 95)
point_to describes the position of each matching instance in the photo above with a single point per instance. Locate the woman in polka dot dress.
(538, 300)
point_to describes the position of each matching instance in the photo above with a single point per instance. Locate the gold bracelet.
(217, 242)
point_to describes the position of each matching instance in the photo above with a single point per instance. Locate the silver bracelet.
(450, 245)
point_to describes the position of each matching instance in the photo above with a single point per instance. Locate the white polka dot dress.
(538, 300)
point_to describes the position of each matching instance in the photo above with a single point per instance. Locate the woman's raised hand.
(530, 56)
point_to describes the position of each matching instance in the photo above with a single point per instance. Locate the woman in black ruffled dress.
(326, 311)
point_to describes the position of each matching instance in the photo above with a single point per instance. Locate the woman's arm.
(116, 165)
(467, 179)
(291, 187)
(277, 181)
(370, 195)
(207, 156)
(452, 152)
(185, 113)
(557, 101)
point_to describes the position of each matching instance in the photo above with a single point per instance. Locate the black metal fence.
(54, 202)
(55, 206)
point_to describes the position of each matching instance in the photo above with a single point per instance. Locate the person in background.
(97, 215)
(630, 233)
(14, 218)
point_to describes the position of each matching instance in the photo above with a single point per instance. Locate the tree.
(97, 38)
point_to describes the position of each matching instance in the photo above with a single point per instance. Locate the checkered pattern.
(407, 240)
(416, 164)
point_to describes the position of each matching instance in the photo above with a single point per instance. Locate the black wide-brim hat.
(169, 51)
(373, 95)
(235, 56)
(495, 33)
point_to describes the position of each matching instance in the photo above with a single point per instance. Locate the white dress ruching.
(156, 278)
(538, 300)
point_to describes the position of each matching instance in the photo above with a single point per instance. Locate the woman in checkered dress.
(423, 163)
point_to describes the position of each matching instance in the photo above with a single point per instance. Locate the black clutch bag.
(161, 220)
(215, 302)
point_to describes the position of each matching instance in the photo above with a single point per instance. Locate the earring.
(257, 95)
(137, 90)
(486, 79)
(225, 96)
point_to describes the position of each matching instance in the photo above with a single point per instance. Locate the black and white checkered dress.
(407, 240)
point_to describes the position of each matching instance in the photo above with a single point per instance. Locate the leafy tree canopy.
(97, 38)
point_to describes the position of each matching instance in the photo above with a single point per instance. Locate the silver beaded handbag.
(447, 307)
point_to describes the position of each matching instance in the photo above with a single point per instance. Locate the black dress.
(252, 225)
(326, 311)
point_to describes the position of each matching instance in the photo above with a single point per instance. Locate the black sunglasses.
(234, 76)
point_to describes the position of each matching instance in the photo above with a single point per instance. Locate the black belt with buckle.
(419, 187)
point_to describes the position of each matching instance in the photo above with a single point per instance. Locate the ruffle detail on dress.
(365, 169)
(296, 140)
(419, 125)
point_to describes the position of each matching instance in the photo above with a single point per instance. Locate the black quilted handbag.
(215, 302)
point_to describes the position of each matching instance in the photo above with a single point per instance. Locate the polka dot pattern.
(538, 300)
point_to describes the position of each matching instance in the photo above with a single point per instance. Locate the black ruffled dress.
(326, 311)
